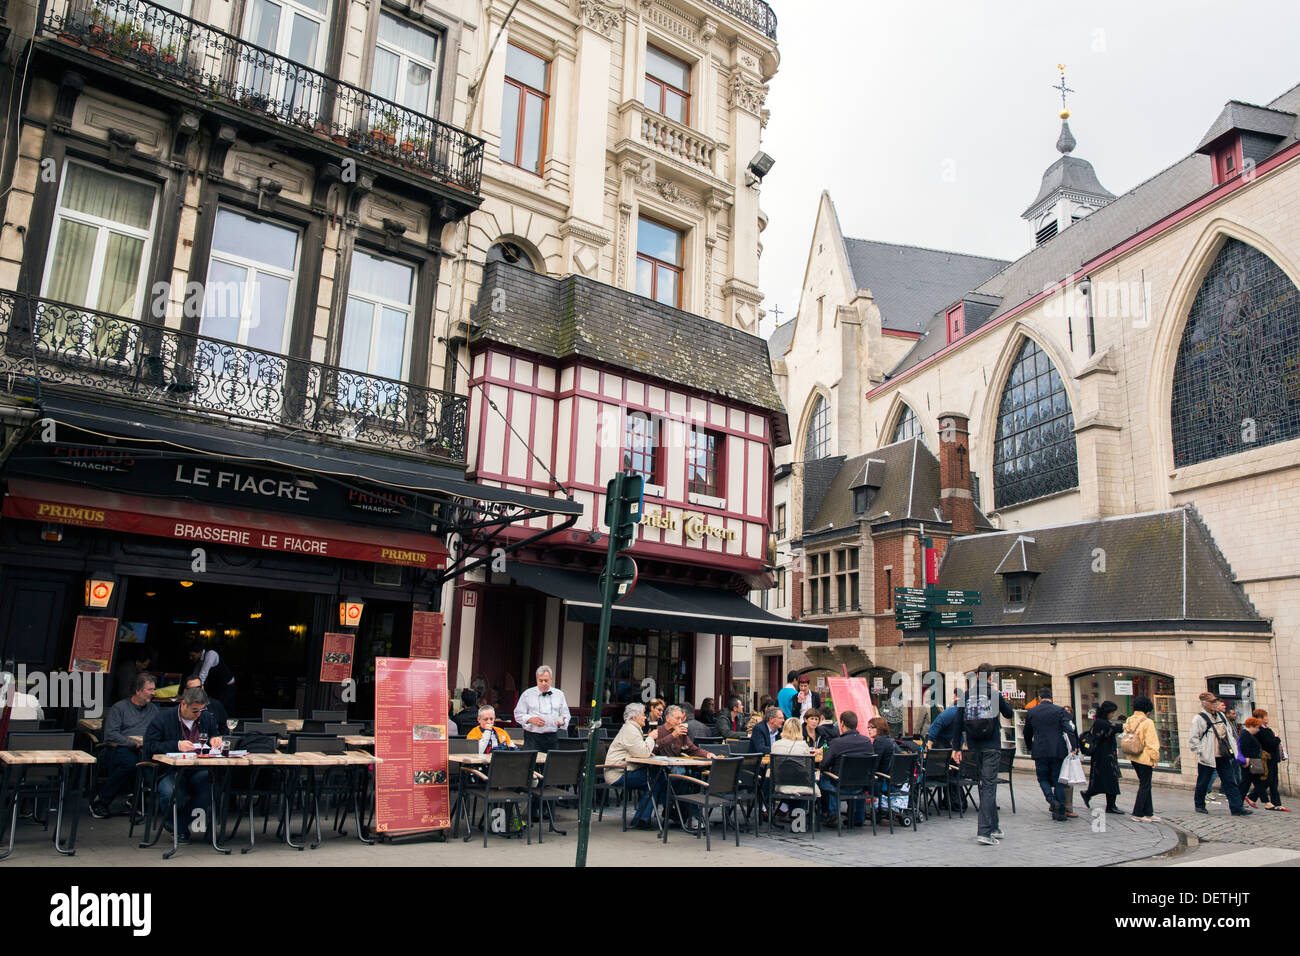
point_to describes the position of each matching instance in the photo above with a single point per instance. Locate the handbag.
(1256, 766)
(1072, 774)
(1130, 744)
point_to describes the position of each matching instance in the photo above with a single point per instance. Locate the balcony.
(66, 347)
(187, 53)
(653, 134)
(756, 13)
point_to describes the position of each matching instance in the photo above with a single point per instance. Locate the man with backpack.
(978, 724)
(1215, 748)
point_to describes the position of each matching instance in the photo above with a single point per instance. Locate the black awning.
(677, 607)
(138, 425)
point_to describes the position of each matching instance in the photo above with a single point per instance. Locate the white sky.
(931, 123)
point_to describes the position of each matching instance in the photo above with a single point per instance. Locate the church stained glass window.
(817, 441)
(909, 426)
(1034, 452)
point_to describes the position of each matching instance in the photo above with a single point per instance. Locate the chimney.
(955, 494)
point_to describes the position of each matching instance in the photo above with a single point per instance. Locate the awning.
(233, 444)
(208, 524)
(677, 607)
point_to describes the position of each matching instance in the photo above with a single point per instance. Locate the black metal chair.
(459, 745)
(344, 729)
(1005, 766)
(570, 743)
(738, 746)
(853, 784)
(968, 778)
(793, 779)
(936, 779)
(888, 785)
(561, 776)
(333, 716)
(509, 781)
(752, 776)
(269, 714)
(721, 789)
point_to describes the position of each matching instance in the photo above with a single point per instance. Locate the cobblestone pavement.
(1221, 840)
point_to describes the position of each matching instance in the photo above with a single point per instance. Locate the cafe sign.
(694, 524)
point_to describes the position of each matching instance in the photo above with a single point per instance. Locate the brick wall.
(955, 496)
(796, 595)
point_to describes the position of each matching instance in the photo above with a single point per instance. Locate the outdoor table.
(68, 762)
(354, 761)
(461, 761)
(181, 763)
(665, 766)
(91, 725)
(358, 740)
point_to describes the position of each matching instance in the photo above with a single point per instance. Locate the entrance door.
(774, 681)
(507, 646)
(33, 615)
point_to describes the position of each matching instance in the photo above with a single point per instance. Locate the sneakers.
(1202, 810)
(997, 834)
(1212, 798)
(99, 810)
(987, 840)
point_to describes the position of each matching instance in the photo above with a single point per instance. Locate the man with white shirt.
(542, 711)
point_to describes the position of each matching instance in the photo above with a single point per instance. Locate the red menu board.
(93, 642)
(336, 658)
(426, 634)
(411, 739)
(852, 693)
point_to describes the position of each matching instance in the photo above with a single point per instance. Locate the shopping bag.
(1072, 774)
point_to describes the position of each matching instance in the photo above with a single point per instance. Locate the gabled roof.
(909, 284)
(1159, 566)
(778, 343)
(1249, 118)
(1021, 558)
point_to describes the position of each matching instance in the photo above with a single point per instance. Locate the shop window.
(667, 85)
(524, 105)
(1237, 692)
(659, 262)
(1022, 688)
(660, 663)
(1034, 448)
(704, 466)
(1122, 686)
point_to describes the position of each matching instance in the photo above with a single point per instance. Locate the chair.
(855, 782)
(39, 783)
(344, 729)
(936, 778)
(459, 745)
(570, 744)
(707, 742)
(968, 777)
(561, 775)
(329, 715)
(1005, 765)
(509, 781)
(752, 774)
(901, 773)
(793, 779)
(262, 727)
(720, 790)
(269, 714)
(311, 727)
(738, 746)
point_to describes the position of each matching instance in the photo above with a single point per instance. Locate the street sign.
(954, 620)
(910, 627)
(960, 602)
(909, 592)
(944, 596)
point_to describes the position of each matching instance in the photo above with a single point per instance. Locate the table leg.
(361, 798)
(176, 836)
(216, 811)
(290, 785)
(78, 770)
(252, 829)
(313, 786)
(7, 798)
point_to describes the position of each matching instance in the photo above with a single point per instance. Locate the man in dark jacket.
(848, 743)
(977, 724)
(183, 729)
(466, 719)
(1050, 737)
(766, 731)
(731, 725)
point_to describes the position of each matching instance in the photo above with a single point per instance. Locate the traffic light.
(623, 509)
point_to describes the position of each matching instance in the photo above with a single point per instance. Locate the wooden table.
(356, 763)
(480, 760)
(180, 763)
(70, 763)
(91, 725)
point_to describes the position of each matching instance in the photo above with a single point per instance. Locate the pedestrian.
(217, 677)
(1211, 740)
(1253, 751)
(785, 699)
(979, 726)
(805, 699)
(938, 734)
(1274, 754)
(1141, 728)
(1103, 775)
(1050, 737)
(542, 711)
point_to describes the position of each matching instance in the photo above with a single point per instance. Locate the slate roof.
(1061, 256)
(575, 316)
(1071, 174)
(909, 284)
(778, 343)
(909, 489)
(1251, 118)
(1160, 566)
(1021, 557)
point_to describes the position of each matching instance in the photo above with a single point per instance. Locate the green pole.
(934, 665)
(607, 585)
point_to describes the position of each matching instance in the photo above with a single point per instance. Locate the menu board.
(336, 658)
(411, 739)
(426, 634)
(852, 693)
(93, 641)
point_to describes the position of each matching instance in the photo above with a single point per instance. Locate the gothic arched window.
(909, 426)
(1237, 381)
(817, 441)
(1034, 454)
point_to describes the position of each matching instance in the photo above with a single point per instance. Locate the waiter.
(217, 677)
(542, 711)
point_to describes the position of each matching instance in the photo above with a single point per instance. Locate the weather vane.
(1065, 109)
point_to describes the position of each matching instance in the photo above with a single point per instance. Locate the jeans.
(193, 792)
(641, 778)
(1227, 774)
(989, 760)
(120, 763)
(833, 804)
(1142, 805)
(1049, 779)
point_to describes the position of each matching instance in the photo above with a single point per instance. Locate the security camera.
(1085, 286)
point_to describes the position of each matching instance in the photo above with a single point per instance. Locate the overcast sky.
(931, 123)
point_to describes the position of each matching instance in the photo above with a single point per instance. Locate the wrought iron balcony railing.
(754, 12)
(64, 346)
(208, 61)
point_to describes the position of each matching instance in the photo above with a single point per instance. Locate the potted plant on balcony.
(384, 130)
(168, 54)
(146, 43)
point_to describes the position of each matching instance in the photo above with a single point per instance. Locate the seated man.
(181, 730)
(731, 725)
(849, 742)
(466, 719)
(489, 736)
(673, 740)
(215, 707)
(760, 741)
(129, 717)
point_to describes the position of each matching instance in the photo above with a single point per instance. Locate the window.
(909, 426)
(661, 661)
(406, 65)
(817, 439)
(297, 30)
(780, 521)
(377, 327)
(704, 463)
(511, 253)
(1234, 383)
(99, 251)
(846, 579)
(523, 109)
(780, 587)
(659, 262)
(251, 279)
(1122, 686)
(1015, 589)
(667, 85)
(862, 500)
(889, 589)
(819, 584)
(1034, 448)
(641, 453)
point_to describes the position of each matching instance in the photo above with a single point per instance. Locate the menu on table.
(411, 790)
(93, 641)
(852, 693)
(426, 634)
(336, 658)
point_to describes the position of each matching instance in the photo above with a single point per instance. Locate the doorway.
(508, 645)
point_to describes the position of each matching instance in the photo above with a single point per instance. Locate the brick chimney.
(955, 485)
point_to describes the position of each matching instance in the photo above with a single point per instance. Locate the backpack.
(1086, 743)
(980, 713)
(1130, 744)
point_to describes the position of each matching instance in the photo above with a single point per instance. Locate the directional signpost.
(917, 609)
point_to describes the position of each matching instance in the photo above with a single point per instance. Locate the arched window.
(817, 442)
(513, 253)
(1034, 454)
(1237, 384)
(909, 426)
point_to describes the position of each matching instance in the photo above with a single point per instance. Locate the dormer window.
(1227, 159)
(862, 500)
(1017, 588)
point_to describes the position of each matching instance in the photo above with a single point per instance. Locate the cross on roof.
(776, 314)
(1065, 108)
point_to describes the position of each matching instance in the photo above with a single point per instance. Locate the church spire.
(1066, 143)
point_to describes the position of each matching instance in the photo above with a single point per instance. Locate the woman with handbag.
(1253, 756)
(1142, 747)
(1103, 773)
(1273, 757)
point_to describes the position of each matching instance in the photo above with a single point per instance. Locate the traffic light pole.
(934, 666)
(607, 586)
